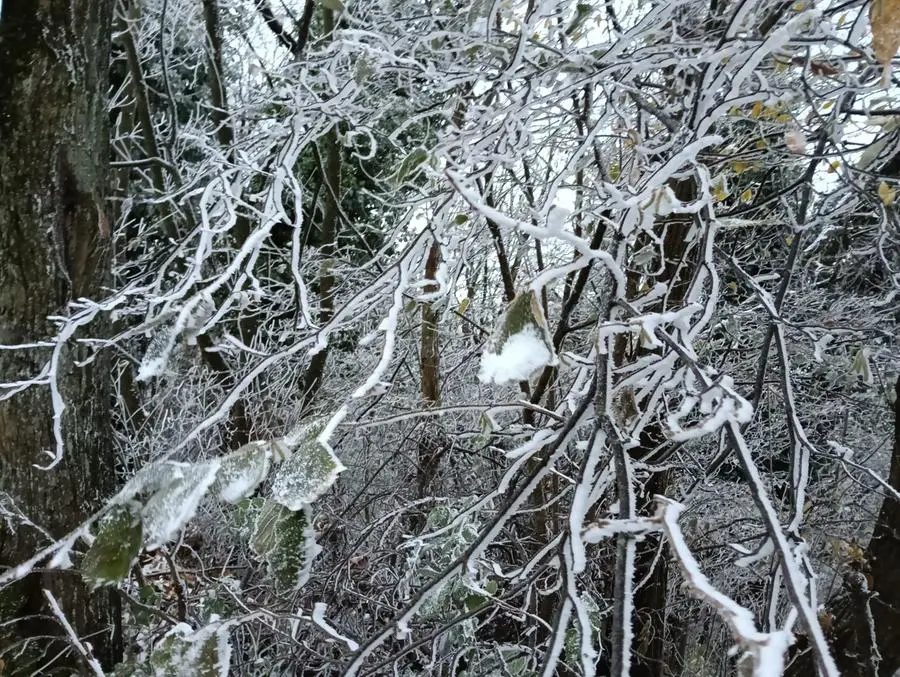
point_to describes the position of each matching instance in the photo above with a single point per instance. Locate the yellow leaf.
(739, 167)
(884, 18)
(789, 240)
(719, 193)
(783, 117)
(827, 105)
(842, 20)
(747, 195)
(761, 144)
(886, 193)
(463, 305)
(834, 166)
(757, 109)
(799, 6)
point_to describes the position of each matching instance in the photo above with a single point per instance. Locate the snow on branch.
(765, 649)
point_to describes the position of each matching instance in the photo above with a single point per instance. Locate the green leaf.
(243, 518)
(460, 219)
(410, 165)
(205, 653)
(174, 503)
(473, 601)
(285, 541)
(524, 310)
(335, 5)
(115, 547)
(242, 471)
(521, 343)
(310, 469)
(362, 71)
(150, 597)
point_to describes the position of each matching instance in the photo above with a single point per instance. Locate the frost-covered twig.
(766, 649)
(92, 663)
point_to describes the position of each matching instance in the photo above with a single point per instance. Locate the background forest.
(425, 337)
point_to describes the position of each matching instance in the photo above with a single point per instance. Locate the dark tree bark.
(54, 59)
(883, 555)
(870, 608)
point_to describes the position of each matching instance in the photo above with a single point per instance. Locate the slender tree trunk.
(652, 657)
(315, 372)
(54, 61)
(431, 442)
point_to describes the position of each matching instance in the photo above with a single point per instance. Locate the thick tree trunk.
(54, 59)
(865, 636)
(883, 555)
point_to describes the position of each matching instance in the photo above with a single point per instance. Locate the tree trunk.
(331, 175)
(883, 555)
(54, 59)
(870, 609)
(431, 443)
(652, 656)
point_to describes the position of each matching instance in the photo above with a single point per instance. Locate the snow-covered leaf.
(410, 165)
(175, 502)
(285, 541)
(310, 469)
(157, 355)
(795, 140)
(861, 366)
(521, 343)
(184, 653)
(115, 547)
(362, 71)
(242, 471)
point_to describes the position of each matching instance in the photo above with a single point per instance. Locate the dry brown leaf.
(884, 18)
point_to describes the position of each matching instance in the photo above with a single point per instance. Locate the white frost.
(174, 504)
(318, 617)
(522, 354)
(242, 471)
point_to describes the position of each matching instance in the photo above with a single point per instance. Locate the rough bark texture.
(883, 556)
(869, 611)
(54, 59)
